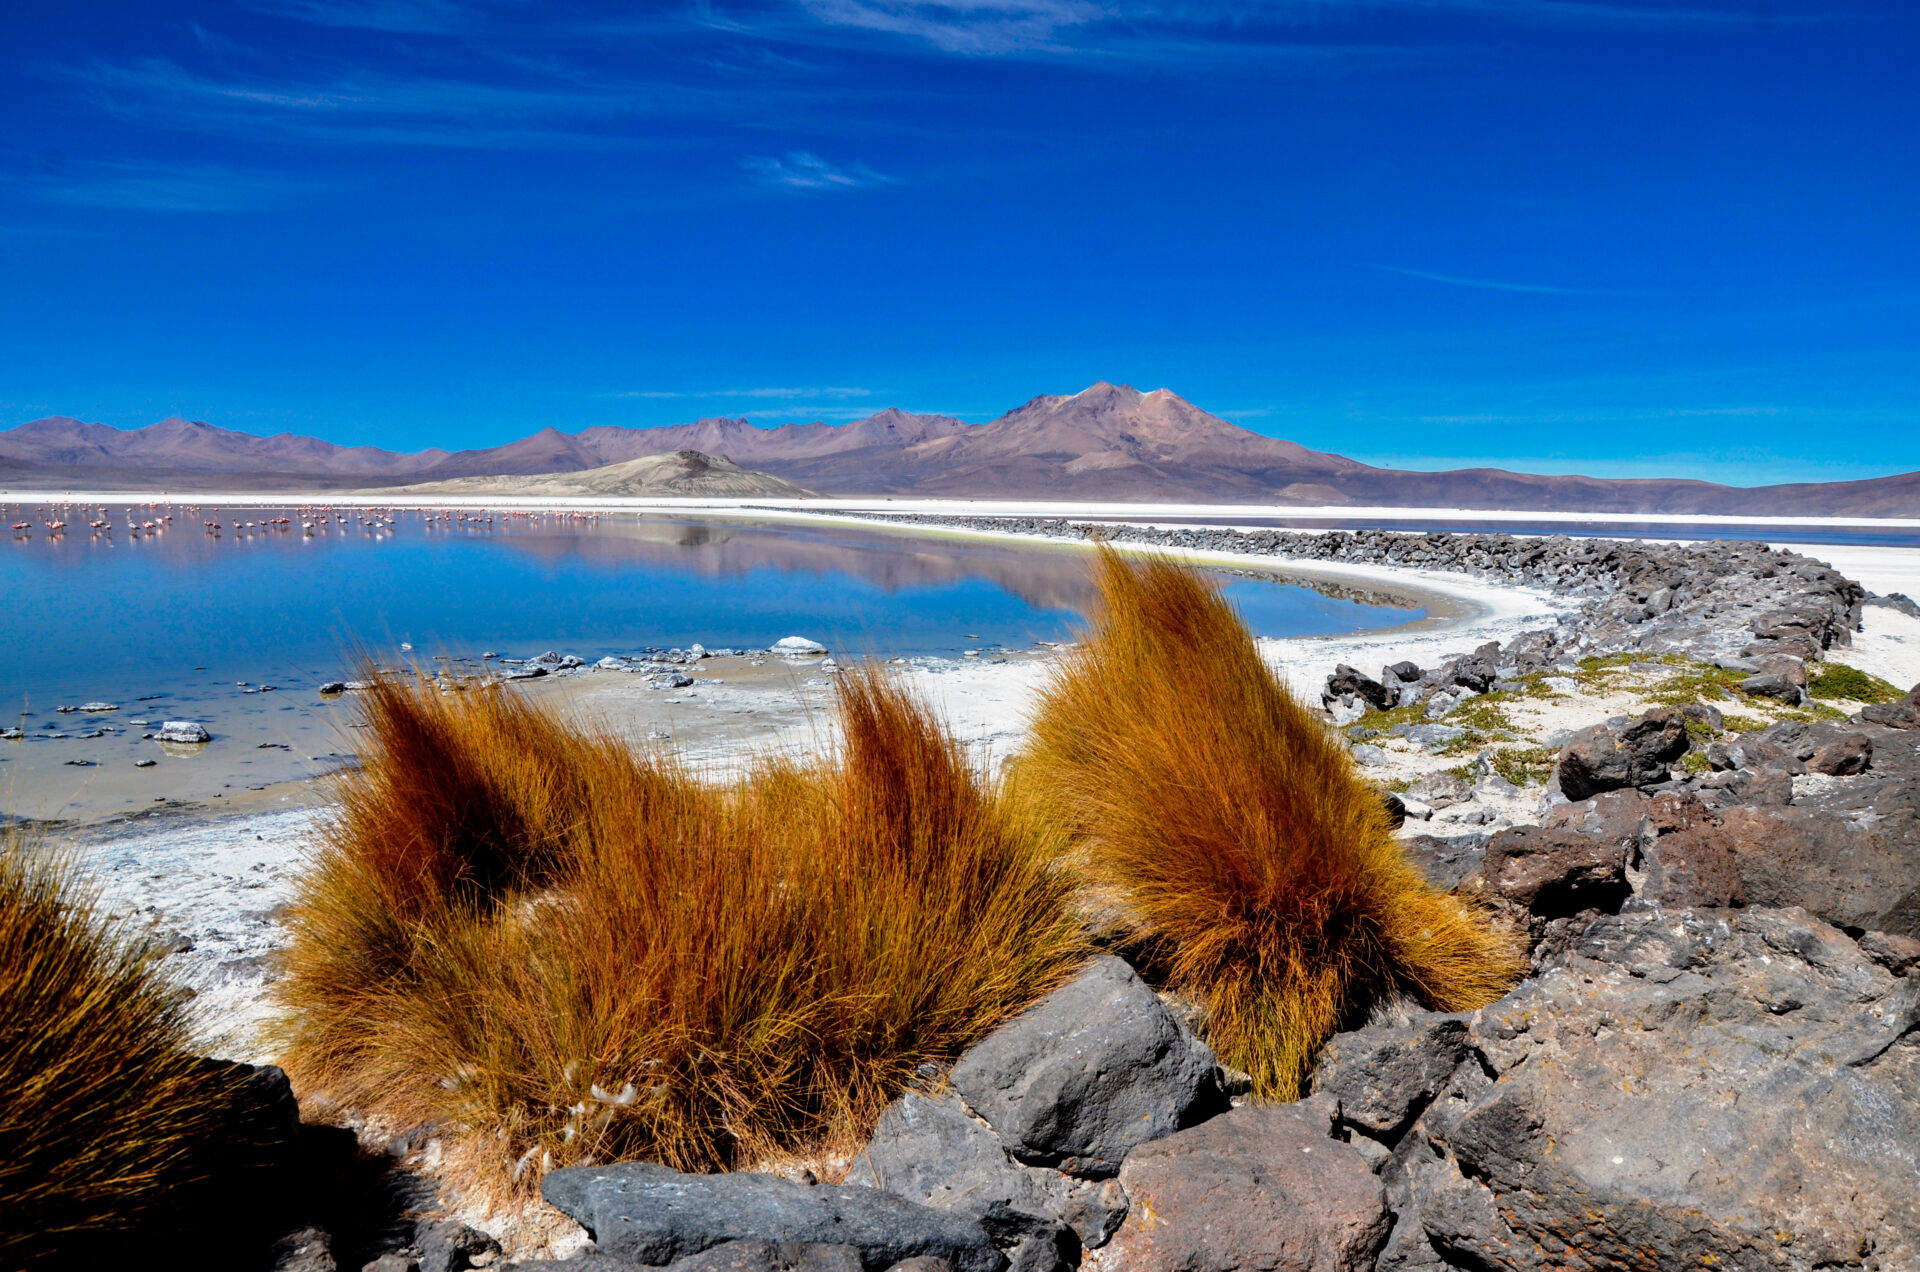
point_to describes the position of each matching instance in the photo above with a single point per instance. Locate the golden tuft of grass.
(1233, 825)
(563, 952)
(106, 1116)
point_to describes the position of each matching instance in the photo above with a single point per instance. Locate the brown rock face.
(1551, 871)
(1260, 1189)
(1850, 755)
(1606, 759)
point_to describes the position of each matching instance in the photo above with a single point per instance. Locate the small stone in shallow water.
(182, 731)
(96, 707)
(145, 763)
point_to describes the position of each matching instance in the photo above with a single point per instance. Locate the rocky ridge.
(1720, 598)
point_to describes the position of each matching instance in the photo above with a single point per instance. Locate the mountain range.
(1107, 442)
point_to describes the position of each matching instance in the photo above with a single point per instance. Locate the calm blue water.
(114, 615)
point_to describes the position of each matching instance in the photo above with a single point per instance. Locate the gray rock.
(182, 731)
(1382, 1076)
(1772, 685)
(452, 1246)
(1095, 1068)
(1260, 1188)
(1432, 735)
(1727, 1090)
(652, 1215)
(1369, 755)
(1903, 714)
(1441, 790)
(930, 1150)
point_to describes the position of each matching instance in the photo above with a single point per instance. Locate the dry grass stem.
(105, 1113)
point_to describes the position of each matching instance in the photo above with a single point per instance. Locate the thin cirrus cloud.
(800, 170)
(154, 187)
(1004, 27)
(781, 394)
(1490, 284)
(383, 108)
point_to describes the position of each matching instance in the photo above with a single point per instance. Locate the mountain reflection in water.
(282, 594)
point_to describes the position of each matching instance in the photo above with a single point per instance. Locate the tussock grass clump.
(563, 952)
(1232, 826)
(106, 1116)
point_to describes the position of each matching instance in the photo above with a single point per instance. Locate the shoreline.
(1079, 509)
(210, 881)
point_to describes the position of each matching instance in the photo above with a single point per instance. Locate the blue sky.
(1613, 236)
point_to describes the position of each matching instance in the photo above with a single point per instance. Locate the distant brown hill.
(1107, 442)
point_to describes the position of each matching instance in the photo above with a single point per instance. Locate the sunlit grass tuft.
(562, 952)
(1236, 830)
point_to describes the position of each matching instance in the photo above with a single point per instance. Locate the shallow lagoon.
(183, 622)
(115, 615)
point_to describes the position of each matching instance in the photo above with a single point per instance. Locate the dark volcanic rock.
(1859, 876)
(1551, 872)
(1260, 1188)
(650, 1214)
(1380, 1077)
(1604, 759)
(1843, 757)
(1904, 714)
(1081, 1077)
(1687, 862)
(1773, 685)
(771, 1256)
(453, 1247)
(1739, 1089)
(1345, 680)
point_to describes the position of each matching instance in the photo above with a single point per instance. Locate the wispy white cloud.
(156, 187)
(1489, 284)
(794, 395)
(965, 26)
(1011, 27)
(389, 107)
(800, 170)
(401, 17)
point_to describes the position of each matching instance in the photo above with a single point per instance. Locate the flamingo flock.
(137, 522)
